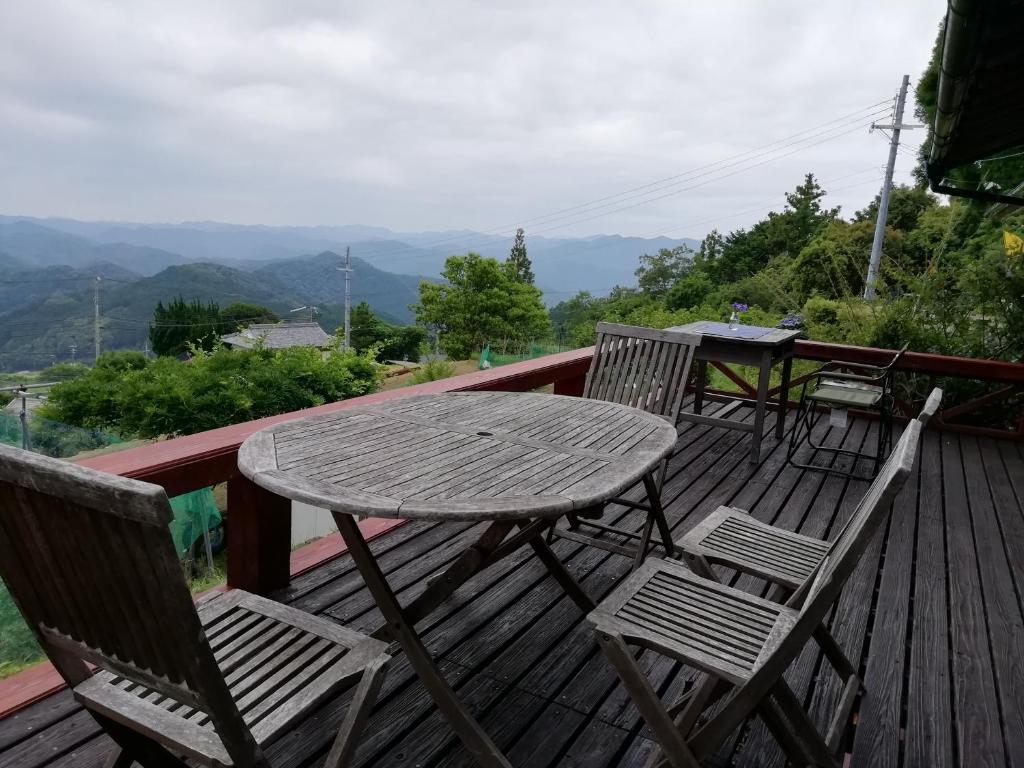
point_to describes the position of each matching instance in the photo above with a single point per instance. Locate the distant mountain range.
(48, 269)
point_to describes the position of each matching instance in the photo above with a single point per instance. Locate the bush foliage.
(134, 397)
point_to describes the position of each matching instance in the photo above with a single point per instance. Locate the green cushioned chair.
(843, 385)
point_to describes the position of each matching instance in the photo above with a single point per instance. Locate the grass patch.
(18, 646)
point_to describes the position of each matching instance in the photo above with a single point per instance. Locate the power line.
(706, 182)
(788, 141)
(822, 137)
(496, 231)
(745, 163)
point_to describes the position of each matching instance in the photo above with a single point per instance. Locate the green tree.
(391, 342)
(744, 252)
(179, 324)
(480, 303)
(835, 262)
(906, 204)
(657, 273)
(690, 291)
(518, 262)
(242, 314)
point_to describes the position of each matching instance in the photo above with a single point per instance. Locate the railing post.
(259, 537)
(572, 386)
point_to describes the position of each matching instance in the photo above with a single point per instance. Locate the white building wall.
(309, 522)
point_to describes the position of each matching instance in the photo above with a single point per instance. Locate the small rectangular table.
(744, 345)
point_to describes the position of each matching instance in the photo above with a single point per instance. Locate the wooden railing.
(261, 521)
(1010, 377)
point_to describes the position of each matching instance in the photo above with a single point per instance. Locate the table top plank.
(460, 456)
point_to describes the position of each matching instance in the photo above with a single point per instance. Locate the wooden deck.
(934, 614)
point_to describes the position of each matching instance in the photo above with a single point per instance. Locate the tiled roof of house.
(279, 336)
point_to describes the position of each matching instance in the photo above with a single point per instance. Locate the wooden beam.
(259, 537)
(734, 377)
(999, 371)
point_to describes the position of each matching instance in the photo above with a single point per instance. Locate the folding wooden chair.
(743, 643)
(841, 384)
(89, 560)
(647, 369)
(732, 538)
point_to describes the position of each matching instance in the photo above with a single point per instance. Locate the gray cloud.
(439, 115)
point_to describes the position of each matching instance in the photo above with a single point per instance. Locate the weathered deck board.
(933, 616)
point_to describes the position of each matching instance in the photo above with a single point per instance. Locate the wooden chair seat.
(730, 536)
(278, 663)
(701, 622)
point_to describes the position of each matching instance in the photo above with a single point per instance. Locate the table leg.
(465, 567)
(557, 569)
(698, 390)
(476, 741)
(780, 422)
(763, 379)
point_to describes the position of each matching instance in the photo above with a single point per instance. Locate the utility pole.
(74, 354)
(883, 203)
(347, 269)
(96, 316)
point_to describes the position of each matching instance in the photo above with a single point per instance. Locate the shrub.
(434, 369)
(170, 397)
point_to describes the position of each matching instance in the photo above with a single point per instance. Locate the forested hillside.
(317, 279)
(43, 312)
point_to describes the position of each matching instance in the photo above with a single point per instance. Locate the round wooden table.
(519, 460)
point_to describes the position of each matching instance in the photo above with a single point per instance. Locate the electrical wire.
(675, 180)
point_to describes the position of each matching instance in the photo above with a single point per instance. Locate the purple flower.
(740, 307)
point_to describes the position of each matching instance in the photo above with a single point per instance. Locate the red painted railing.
(260, 521)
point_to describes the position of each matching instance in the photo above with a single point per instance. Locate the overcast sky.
(447, 114)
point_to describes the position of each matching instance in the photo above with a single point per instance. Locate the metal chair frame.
(868, 376)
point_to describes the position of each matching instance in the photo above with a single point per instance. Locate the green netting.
(194, 513)
(52, 438)
(485, 358)
(534, 350)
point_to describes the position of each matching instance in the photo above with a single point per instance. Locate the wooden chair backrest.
(641, 367)
(931, 405)
(89, 560)
(845, 552)
(824, 586)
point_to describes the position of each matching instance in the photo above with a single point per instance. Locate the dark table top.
(751, 335)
